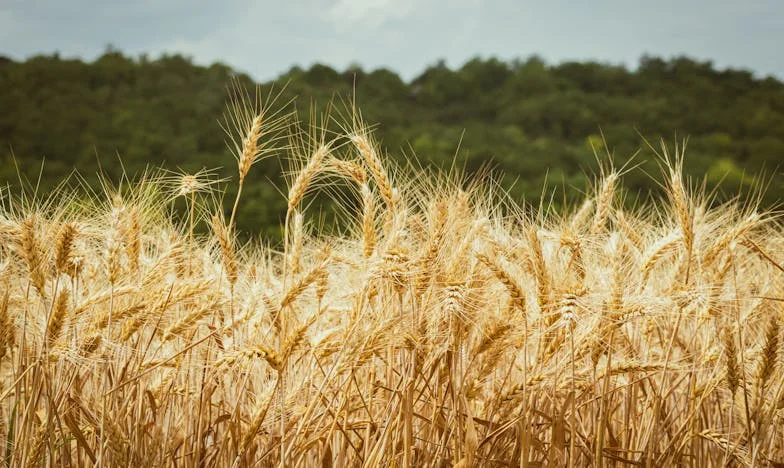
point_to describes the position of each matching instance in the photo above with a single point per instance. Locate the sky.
(265, 38)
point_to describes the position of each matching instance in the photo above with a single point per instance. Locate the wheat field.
(446, 326)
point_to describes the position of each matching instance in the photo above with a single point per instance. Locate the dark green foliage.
(527, 120)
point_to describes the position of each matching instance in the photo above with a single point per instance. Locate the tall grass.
(446, 327)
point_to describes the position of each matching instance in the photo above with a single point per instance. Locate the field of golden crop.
(446, 327)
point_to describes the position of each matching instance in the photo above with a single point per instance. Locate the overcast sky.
(265, 38)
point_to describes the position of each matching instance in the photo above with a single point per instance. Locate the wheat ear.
(226, 244)
(63, 247)
(31, 251)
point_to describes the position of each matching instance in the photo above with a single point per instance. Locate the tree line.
(534, 124)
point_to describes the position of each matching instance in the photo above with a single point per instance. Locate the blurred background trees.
(530, 121)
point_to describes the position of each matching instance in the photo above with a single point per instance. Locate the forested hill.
(530, 120)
